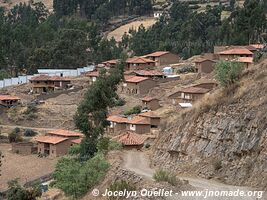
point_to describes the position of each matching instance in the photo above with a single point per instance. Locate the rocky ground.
(224, 136)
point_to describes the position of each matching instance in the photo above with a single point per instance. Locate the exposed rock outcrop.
(224, 136)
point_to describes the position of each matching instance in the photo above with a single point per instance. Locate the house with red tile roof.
(110, 63)
(235, 53)
(45, 84)
(205, 66)
(93, 75)
(138, 124)
(52, 145)
(65, 133)
(139, 63)
(247, 61)
(152, 117)
(137, 85)
(163, 58)
(9, 100)
(116, 123)
(151, 103)
(188, 94)
(130, 140)
(154, 74)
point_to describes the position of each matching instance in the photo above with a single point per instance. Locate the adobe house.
(189, 94)
(153, 118)
(93, 75)
(9, 101)
(154, 74)
(246, 61)
(44, 83)
(138, 124)
(163, 58)
(65, 134)
(150, 103)
(53, 145)
(137, 63)
(110, 63)
(137, 85)
(218, 49)
(130, 140)
(117, 123)
(24, 148)
(205, 66)
(234, 53)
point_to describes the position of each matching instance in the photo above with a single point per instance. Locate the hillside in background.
(224, 136)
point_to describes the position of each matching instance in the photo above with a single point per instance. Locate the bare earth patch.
(26, 168)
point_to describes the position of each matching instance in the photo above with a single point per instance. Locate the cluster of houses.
(141, 75)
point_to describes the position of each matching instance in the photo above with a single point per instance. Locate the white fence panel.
(22, 79)
(1, 84)
(14, 81)
(7, 82)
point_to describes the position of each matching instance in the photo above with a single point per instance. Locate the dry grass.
(118, 33)
(8, 4)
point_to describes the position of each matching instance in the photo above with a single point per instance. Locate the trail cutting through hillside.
(138, 162)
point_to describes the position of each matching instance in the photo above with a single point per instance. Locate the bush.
(29, 133)
(186, 69)
(76, 178)
(165, 176)
(17, 192)
(31, 108)
(120, 102)
(134, 110)
(106, 144)
(74, 150)
(15, 136)
(227, 72)
(120, 186)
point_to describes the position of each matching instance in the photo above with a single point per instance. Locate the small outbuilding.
(130, 140)
(9, 101)
(151, 103)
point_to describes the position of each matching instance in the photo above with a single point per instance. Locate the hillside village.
(90, 104)
(152, 87)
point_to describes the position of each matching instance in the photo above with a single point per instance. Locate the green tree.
(228, 72)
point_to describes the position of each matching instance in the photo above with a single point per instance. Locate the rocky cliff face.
(224, 136)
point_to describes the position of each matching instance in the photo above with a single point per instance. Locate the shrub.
(120, 186)
(74, 150)
(106, 144)
(17, 192)
(134, 110)
(165, 176)
(31, 108)
(15, 136)
(120, 102)
(76, 178)
(29, 133)
(228, 72)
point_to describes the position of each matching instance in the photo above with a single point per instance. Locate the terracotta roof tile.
(117, 119)
(92, 74)
(237, 51)
(139, 120)
(148, 73)
(130, 138)
(245, 59)
(257, 46)
(65, 133)
(111, 62)
(135, 79)
(149, 114)
(157, 54)
(195, 90)
(148, 98)
(50, 139)
(139, 60)
(8, 97)
(77, 141)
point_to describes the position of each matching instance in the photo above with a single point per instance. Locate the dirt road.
(138, 162)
